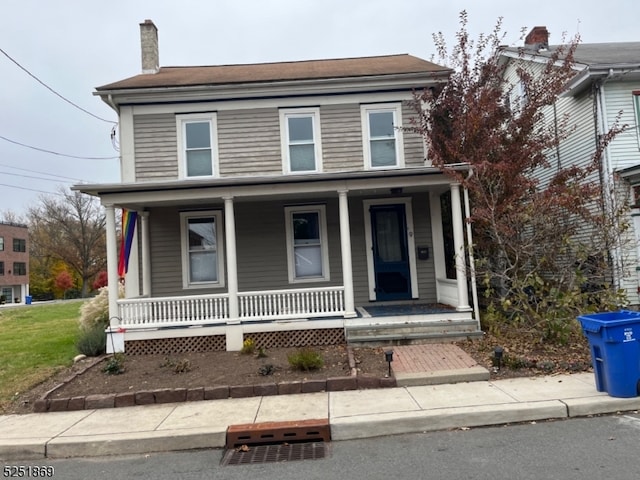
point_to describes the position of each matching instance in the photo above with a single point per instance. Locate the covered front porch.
(360, 274)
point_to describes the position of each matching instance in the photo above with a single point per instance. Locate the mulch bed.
(147, 379)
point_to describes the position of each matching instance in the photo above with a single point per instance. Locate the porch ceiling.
(137, 196)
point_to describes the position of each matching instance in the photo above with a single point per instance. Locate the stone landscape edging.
(176, 395)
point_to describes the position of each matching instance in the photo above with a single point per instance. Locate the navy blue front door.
(390, 259)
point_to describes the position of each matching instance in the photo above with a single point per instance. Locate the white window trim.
(324, 247)
(286, 113)
(181, 121)
(396, 108)
(184, 244)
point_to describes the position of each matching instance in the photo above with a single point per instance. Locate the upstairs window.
(1, 268)
(300, 137)
(19, 245)
(382, 142)
(197, 145)
(1, 244)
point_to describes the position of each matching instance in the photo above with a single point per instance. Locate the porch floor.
(406, 309)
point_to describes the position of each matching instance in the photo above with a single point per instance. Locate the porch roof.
(179, 191)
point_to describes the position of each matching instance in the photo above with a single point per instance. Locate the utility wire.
(53, 91)
(56, 153)
(33, 176)
(30, 189)
(42, 173)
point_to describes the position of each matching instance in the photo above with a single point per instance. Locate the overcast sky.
(74, 46)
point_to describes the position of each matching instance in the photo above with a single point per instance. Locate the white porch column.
(345, 247)
(234, 330)
(112, 265)
(146, 257)
(458, 243)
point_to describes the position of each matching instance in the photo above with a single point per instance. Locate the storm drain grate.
(286, 452)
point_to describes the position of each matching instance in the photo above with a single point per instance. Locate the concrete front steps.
(380, 333)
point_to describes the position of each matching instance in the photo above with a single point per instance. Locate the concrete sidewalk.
(351, 414)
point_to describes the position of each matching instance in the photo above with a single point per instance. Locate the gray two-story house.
(283, 202)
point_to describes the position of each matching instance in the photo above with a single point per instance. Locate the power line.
(53, 91)
(32, 176)
(30, 189)
(55, 153)
(42, 173)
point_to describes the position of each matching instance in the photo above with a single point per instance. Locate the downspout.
(472, 264)
(608, 192)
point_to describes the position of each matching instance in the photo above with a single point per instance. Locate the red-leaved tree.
(531, 263)
(64, 282)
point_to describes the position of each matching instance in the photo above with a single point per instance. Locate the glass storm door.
(390, 259)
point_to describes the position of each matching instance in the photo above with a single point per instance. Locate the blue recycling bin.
(27, 300)
(615, 351)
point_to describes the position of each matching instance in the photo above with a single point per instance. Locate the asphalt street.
(584, 448)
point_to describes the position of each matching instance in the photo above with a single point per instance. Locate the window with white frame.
(301, 143)
(382, 142)
(307, 248)
(1, 244)
(202, 253)
(197, 145)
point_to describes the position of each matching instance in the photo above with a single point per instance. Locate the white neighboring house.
(607, 82)
(282, 202)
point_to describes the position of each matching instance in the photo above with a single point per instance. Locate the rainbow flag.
(128, 229)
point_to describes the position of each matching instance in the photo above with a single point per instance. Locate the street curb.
(582, 407)
(136, 443)
(367, 426)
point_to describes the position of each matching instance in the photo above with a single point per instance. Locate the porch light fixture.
(498, 352)
(388, 356)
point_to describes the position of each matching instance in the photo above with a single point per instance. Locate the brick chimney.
(149, 47)
(538, 38)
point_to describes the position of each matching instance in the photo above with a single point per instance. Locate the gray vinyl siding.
(155, 144)
(166, 257)
(249, 142)
(262, 248)
(414, 152)
(341, 138)
(624, 149)
(423, 237)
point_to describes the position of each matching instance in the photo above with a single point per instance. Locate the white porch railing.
(254, 306)
(173, 311)
(294, 303)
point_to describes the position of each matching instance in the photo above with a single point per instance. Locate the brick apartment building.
(14, 262)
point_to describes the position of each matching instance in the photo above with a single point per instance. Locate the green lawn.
(35, 342)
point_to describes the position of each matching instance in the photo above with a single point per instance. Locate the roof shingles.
(276, 72)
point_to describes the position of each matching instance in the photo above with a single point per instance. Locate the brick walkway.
(430, 357)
